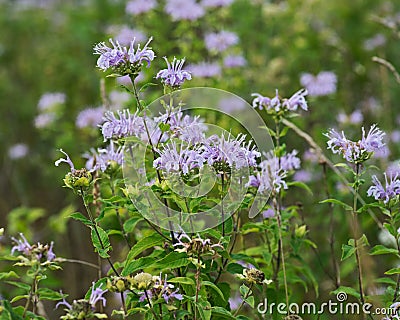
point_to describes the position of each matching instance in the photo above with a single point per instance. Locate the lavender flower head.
(104, 158)
(289, 161)
(90, 117)
(233, 152)
(262, 102)
(121, 59)
(51, 99)
(216, 3)
(67, 160)
(324, 83)
(234, 61)
(298, 100)
(356, 152)
(184, 10)
(43, 120)
(174, 76)
(137, 7)
(275, 104)
(97, 295)
(124, 124)
(220, 41)
(124, 34)
(205, 69)
(18, 151)
(178, 159)
(21, 245)
(385, 193)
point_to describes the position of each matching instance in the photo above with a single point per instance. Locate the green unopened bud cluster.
(78, 179)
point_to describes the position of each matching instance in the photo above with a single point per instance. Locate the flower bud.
(142, 281)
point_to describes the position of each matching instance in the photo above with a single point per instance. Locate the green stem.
(243, 301)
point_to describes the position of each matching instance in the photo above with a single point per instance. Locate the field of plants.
(200, 159)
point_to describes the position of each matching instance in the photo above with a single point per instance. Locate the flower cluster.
(324, 83)
(83, 308)
(196, 246)
(356, 151)
(253, 276)
(276, 104)
(104, 158)
(174, 76)
(36, 252)
(184, 10)
(122, 60)
(220, 41)
(385, 193)
(48, 106)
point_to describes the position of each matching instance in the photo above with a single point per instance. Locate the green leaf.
(380, 249)
(393, 271)
(172, 260)
(130, 224)
(20, 297)
(204, 308)
(300, 185)
(214, 288)
(347, 251)
(221, 313)
(6, 275)
(143, 244)
(182, 280)
(338, 202)
(48, 294)
(23, 286)
(102, 245)
(80, 217)
(137, 264)
(9, 308)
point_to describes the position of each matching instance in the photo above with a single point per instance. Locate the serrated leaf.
(214, 288)
(80, 217)
(143, 244)
(172, 260)
(380, 249)
(347, 251)
(338, 202)
(182, 280)
(102, 244)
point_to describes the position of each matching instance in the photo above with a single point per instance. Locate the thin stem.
(123, 304)
(222, 204)
(396, 291)
(356, 234)
(97, 231)
(80, 262)
(198, 284)
(150, 304)
(243, 301)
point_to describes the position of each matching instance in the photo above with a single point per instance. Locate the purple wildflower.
(121, 59)
(302, 176)
(174, 76)
(376, 41)
(387, 193)
(230, 151)
(395, 136)
(205, 69)
(233, 61)
(18, 151)
(21, 245)
(64, 302)
(262, 102)
(324, 83)
(356, 117)
(123, 125)
(290, 161)
(97, 295)
(90, 117)
(49, 100)
(296, 101)
(50, 254)
(269, 213)
(44, 119)
(103, 158)
(143, 295)
(270, 177)
(174, 159)
(137, 7)
(66, 160)
(184, 10)
(216, 3)
(356, 151)
(393, 169)
(220, 41)
(310, 155)
(235, 302)
(231, 104)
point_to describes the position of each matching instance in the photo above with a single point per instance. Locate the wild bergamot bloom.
(122, 60)
(356, 151)
(276, 104)
(385, 193)
(174, 76)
